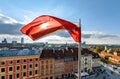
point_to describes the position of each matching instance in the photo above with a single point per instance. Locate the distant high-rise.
(4, 41)
(14, 42)
(22, 40)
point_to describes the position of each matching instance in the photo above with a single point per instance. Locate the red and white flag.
(45, 24)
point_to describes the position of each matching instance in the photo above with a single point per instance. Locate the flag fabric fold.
(45, 24)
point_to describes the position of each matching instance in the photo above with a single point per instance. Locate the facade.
(68, 68)
(22, 40)
(94, 57)
(19, 67)
(52, 63)
(26, 67)
(59, 68)
(46, 68)
(14, 43)
(96, 60)
(86, 64)
(66, 62)
(4, 41)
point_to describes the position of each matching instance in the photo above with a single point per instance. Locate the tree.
(98, 49)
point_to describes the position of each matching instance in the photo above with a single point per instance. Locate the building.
(96, 60)
(59, 64)
(14, 43)
(59, 68)
(19, 67)
(47, 65)
(19, 64)
(114, 58)
(22, 40)
(4, 41)
(66, 61)
(53, 63)
(46, 68)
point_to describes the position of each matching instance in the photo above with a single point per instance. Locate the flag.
(45, 24)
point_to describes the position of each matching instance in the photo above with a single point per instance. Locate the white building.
(86, 64)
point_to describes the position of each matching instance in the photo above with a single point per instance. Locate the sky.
(100, 19)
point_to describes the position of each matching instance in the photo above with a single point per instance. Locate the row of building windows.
(46, 67)
(24, 61)
(18, 74)
(18, 67)
(17, 61)
(48, 78)
(47, 72)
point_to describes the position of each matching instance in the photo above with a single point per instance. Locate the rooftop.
(65, 53)
(57, 53)
(24, 52)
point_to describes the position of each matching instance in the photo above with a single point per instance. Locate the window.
(10, 76)
(85, 63)
(36, 59)
(2, 63)
(42, 62)
(50, 71)
(46, 62)
(46, 72)
(46, 78)
(24, 66)
(30, 65)
(2, 69)
(2, 77)
(24, 73)
(36, 72)
(24, 60)
(10, 69)
(18, 68)
(17, 75)
(42, 67)
(51, 77)
(46, 66)
(36, 65)
(30, 60)
(42, 73)
(10, 62)
(30, 73)
(18, 61)
(51, 66)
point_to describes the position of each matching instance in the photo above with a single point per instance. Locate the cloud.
(29, 15)
(63, 33)
(6, 19)
(50, 39)
(93, 37)
(99, 35)
(9, 25)
(10, 29)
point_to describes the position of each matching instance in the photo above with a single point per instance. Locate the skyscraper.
(22, 40)
(4, 41)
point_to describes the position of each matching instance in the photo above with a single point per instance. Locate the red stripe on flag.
(46, 24)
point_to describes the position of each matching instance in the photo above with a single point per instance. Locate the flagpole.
(79, 55)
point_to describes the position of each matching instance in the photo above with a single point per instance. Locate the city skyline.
(99, 19)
